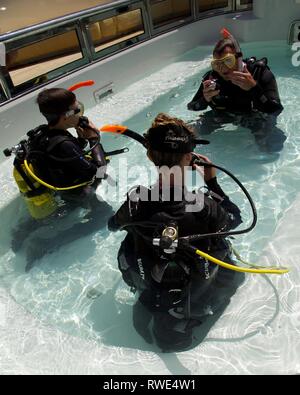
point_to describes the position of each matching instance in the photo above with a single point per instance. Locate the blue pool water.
(77, 288)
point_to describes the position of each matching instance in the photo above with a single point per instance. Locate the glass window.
(168, 11)
(17, 14)
(108, 32)
(32, 63)
(244, 4)
(208, 5)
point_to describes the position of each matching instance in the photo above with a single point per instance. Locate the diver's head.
(59, 107)
(225, 58)
(170, 142)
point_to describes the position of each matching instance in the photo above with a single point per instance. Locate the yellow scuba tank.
(40, 201)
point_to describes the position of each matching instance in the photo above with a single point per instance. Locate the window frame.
(245, 7)
(172, 25)
(28, 39)
(4, 91)
(215, 11)
(114, 48)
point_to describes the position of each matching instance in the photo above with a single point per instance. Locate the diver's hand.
(90, 132)
(208, 93)
(209, 172)
(243, 79)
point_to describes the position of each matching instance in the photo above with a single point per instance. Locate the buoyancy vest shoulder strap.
(55, 141)
(43, 143)
(257, 67)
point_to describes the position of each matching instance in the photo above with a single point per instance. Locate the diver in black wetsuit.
(241, 92)
(59, 159)
(175, 290)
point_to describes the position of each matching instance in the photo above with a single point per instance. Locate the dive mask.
(228, 60)
(79, 110)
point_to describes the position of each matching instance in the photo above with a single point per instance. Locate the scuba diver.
(175, 287)
(52, 165)
(242, 92)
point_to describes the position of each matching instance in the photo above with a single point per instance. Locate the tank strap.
(55, 141)
(19, 168)
(257, 66)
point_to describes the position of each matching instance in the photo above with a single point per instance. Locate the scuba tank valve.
(169, 239)
(39, 200)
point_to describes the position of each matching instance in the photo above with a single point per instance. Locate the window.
(124, 27)
(244, 4)
(17, 14)
(164, 12)
(208, 5)
(32, 64)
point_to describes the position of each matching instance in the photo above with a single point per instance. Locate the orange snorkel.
(116, 129)
(80, 85)
(227, 35)
(123, 130)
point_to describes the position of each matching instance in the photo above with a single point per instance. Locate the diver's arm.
(231, 208)
(120, 218)
(198, 103)
(127, 213)
(265, 94)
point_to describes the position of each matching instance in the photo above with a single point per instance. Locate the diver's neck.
(59, 126)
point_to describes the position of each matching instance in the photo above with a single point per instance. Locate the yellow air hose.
(257, 270)
(36, 178)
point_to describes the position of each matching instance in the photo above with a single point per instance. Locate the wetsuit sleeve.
(265, 94)
(80, 166)
(234, 213)
(127, 213)
(121, 217)
(198, 103)
(82, 142)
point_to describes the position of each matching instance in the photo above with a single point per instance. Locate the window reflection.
(33, 62)
(168, 11)
(18, 14)
(114, 30)
(207, 5)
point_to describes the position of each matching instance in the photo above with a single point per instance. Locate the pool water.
(77, 288)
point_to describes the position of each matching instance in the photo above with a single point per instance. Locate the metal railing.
(81, 22)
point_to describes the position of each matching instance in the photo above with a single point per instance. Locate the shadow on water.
(116, 324)
(33, 239)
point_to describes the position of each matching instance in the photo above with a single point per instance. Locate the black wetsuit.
(173, 289)
(256, 109)
(62, 162)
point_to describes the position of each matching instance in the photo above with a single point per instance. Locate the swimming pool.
(77, 289)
